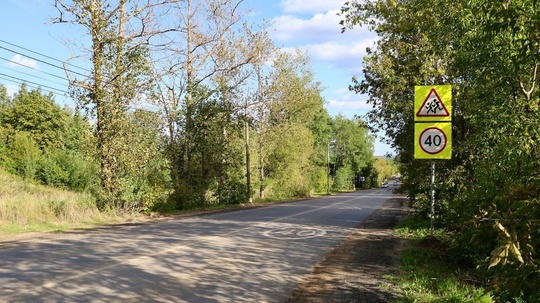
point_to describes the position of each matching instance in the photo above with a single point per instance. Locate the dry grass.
(28, 207)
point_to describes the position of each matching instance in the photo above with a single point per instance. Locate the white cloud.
(349, 102)
(346, 56)
(310, 6)
(320, 27)
(313, 25)
(322, 37)
(19, 60)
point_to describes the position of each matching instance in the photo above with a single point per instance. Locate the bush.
(26, 155)
(344, 179)
(68, 169)
(319, 179)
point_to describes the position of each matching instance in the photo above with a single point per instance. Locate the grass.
(27, 207)
(427, 273)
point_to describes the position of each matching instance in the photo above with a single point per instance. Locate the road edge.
(357, 269)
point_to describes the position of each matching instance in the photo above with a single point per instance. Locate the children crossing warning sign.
(433, 103)
(433, 106)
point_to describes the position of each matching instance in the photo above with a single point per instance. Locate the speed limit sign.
(433, 140)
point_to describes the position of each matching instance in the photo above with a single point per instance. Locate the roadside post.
(433, 129)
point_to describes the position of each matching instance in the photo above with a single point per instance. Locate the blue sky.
(311, 25)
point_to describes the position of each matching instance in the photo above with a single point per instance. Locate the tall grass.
(28, 207)
(428, 271)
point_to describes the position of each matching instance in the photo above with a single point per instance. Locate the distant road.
(253, 255)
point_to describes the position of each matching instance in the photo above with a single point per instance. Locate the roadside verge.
(356, 270)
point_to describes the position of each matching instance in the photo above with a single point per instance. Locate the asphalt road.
(253, 255)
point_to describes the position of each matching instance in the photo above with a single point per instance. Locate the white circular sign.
(433, 140)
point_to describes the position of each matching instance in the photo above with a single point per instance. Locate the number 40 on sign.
(434, 140)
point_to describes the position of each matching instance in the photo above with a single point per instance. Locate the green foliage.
(42, 142)
(344, 179)
(211, 162)
(319, 179)
(145, 172)
(5, 159)
(384, 169)
(26, 155)
(486, 195)
(68, 169)
(430, 271)
(36, 114)
(288, 161)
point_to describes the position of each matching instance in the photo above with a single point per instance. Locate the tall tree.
(352, 148)
(119, 34)
(210, 53)
(290, 102)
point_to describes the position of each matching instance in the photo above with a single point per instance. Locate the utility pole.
(328, 168)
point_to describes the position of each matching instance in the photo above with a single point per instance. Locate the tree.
(352, 150)
(37, 114)
(119, 38)
(208, 60)
(3, 95)
(289, 102)
(43, 142)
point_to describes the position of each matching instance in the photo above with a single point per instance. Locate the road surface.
(253, 255)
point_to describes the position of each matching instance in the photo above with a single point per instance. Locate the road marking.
(294, 233)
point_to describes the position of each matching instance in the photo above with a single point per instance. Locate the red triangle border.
(446, 112)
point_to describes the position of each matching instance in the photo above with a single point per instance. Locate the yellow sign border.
(422, 92)
(446, 128)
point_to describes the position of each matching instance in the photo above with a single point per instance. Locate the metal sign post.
(432, 216)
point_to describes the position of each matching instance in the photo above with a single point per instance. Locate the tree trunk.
(261, 133)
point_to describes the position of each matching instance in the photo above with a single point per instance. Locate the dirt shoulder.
(355, 271)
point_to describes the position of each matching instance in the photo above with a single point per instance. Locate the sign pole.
(432, 195)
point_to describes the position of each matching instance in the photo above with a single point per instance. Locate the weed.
(427, 273)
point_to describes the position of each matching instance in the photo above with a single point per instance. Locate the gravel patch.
(355, 271)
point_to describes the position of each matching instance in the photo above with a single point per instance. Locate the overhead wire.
(43, 55)
(33, 68)
(42, 61)
(29, 85)
(61, 67)
(34, 76)
(33, 84)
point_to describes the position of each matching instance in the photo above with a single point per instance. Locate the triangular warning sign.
(433, 106)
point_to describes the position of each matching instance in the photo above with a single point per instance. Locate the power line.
(34, 83)
(43, 55)
(34, 76)
(42, 61)
(61, 95)
(33, 68)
